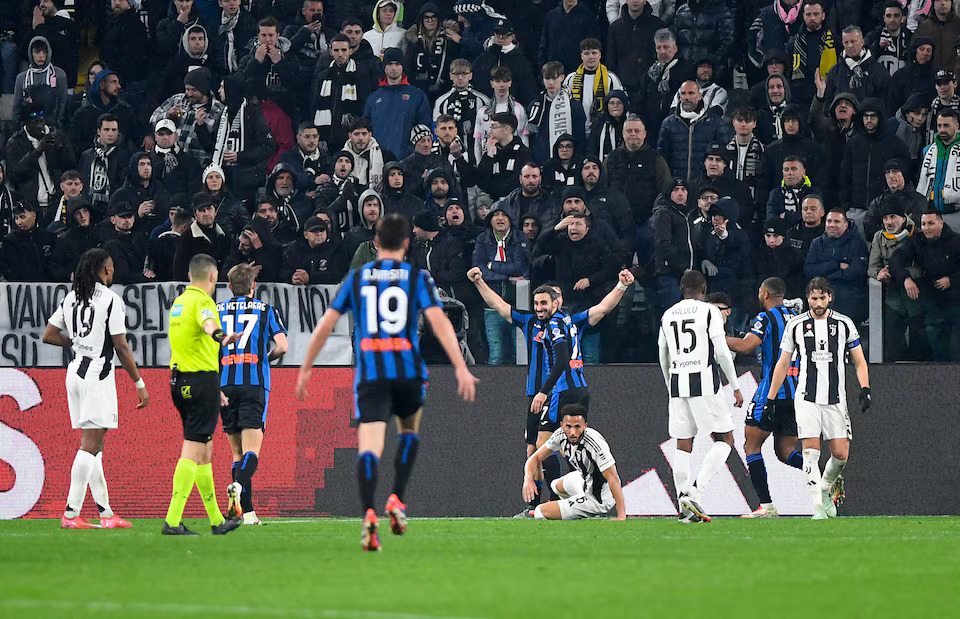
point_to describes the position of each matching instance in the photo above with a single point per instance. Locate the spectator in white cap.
(178, 170)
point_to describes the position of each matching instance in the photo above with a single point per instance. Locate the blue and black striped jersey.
(245, 362)
(386, 298)
(565, 328)
(769, 327)
(538, 362)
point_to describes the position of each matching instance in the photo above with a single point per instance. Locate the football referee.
(195, 340)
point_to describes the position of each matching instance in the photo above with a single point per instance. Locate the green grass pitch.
(791, 567)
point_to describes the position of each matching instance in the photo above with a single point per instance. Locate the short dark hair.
(181, 217)
(340, 37)
(351, 21)
(745, 114)
(505, 118)
(820, 283)
(932, 211)
(573, 410)
(775, 286)
(445, 118)
(949, 112)
(552, 70)
(719, 297)
(269, 21)
(108, 117)
(892, 4)
(306, 126)
(590, 43)
(501, 74)
(550, 289)
(361, 122)
(817, 2)
(70, 175)
(392, 229)
(693, 283)
(796, 158)
(840, 210)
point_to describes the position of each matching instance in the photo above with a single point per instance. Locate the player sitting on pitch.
(593, 487)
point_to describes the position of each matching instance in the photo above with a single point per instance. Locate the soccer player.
(195, 340)
(90, 322)
(691, 344)
(386, 297)
(542, 424)
(780, 419)
(245, 380)
(821, 336)
(593, 487)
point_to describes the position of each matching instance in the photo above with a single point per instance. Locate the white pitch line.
(208, 609)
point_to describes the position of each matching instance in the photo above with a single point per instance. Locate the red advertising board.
(37, 445)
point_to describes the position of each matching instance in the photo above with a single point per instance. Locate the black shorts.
(378, 400)
(782, 420)
(549, 418)
(247, 409)
(197, 396)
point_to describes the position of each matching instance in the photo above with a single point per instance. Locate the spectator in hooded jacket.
(339, 92)
(141, 189)
(943, 26)
(282, 231)
(685, 135)
(607, 205)
(910, 125)
(773, 27)
(916, 76)
(236, 28)
(896, 173)
(25, 252)
(371, 210)
(192, 53)
(663, 79)
(774, 63)
(47, 83)
(706, 27)
(832, 131)
(769, 125)
(102, 98)
(387, 31)
(794, 141)
(181, 16)
(37, 154)
(310, 163)
(715, 173)
(778, 258)
(563, 29)
(503, 256)
(317, 258)
(606, 134)
(81, 235)
(293, 204)
(396, 107)
(630, 47)
(53, 21)
(429, 52)
(553, 113)
(811, 50)
(122, 40)
(840, 255)
(591, 82)
(857, 71)
(504, 52)
(563, 169)
(672, 241)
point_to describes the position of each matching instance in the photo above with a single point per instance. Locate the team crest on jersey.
(404, 98)
(758, 326)
(556, 332)
(539, 336)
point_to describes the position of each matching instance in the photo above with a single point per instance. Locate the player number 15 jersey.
(687, 331)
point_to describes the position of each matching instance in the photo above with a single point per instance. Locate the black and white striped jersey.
(90, 326)
(688, 331)
(590, 456)
(822, 346)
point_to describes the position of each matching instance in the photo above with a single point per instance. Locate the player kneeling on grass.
(593, 488)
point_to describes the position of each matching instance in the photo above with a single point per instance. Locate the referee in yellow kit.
(195, 340)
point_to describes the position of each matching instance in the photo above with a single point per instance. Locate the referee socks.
(367, 465)
(183, 477)
(408, 444)
(244, 475)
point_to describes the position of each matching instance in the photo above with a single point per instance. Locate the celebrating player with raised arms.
(593, 487)
(90, 322)
(822, 336)
(386, 297)
(692, 344)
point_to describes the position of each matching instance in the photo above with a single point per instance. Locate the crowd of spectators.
(541, 141)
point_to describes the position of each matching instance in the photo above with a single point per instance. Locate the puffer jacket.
(545, 206)
(683, 143)
(706, 27)
(68, 248)
(672, 240)
(516, 250)
(783, 261)
(630, 49)
(850, 284)
(640, 175)
(883, 246)
(731, 254)
(861, 170)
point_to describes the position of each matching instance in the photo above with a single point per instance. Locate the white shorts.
(708, 413)
(827, 420)
(92, 402)
(576, 504)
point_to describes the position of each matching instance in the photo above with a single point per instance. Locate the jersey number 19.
(386, 311)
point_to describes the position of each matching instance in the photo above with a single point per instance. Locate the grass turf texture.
(849, 567)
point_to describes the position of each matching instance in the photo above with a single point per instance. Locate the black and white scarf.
(746, 161)
(558, 114)
(7, 224)
(227, 25)
(44, 182)
(231, 134)
(368, 165)
(323, 115)
(659, 73)
(311, 162)
(857, 74)
(610, 140)
(170, 159)
(100, 172)
(800, 51)
(430, 64)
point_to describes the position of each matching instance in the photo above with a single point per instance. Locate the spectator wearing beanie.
(724, 252)
(777, 258)
(630, 46)
(317, 258)
(423, 158)
(438, 252)
(606, 135)
(204, 236)
(162, 248)
(396, 107)
(672, 241)
(901, 312)
(231, 213)
(942, 26)
(81, 235)
(898, 183)
(193, 108)
(478, 25)
(917, 76)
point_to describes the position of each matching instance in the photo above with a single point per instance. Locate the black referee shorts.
(197, 396)
(247, 408)
(379, 399)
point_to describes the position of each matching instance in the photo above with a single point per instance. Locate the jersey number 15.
(685, 327)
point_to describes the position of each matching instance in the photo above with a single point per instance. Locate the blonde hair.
(241, 279)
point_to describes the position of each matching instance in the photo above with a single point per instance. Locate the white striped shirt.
(822, 345)
(691, 334)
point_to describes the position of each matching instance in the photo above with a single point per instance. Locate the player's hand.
(619, 517)
(475, 274)
(230, 339)
(302, 379)
(466, 384)
(866, 400)
(538, 400)
(143, 396)
(224, 400)
(626, 277)
(737, 398)
(529, 490)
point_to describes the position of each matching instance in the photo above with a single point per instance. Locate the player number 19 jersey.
(90, 326)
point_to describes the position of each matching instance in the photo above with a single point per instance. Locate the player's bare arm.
(779, 374)
(130, 365)
(280, 347)
(210, 328)
(491, 298)
(597, 312)
(664, 357)
(53, 335)
(863, 377)
(745, 345)
(530, 468)
(320, 334)
(613, 480)
(466, 382)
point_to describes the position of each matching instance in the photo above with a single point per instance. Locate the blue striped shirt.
(769, 326)
(246, 362)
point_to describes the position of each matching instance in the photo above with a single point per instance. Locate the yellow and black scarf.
(599, 87)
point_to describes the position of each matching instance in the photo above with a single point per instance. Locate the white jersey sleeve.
(788, 342)
(598, 448)
(57, 319)
(555, 442)
(116, 323)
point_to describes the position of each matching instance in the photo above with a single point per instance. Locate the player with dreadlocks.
(90, 322)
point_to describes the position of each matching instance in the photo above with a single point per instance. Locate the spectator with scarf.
(182, 15)
(53, 20)
(179, 171)
(857, 71)
(787, 197)
(940, 168)
(195, 107)
(745, 158)
(102, 97)
(339, 92)
(36, 156)
(769, 126)
(504, 52)
(236, 29)
(46, 83)
(606, 135)
(367, 154)
(714, 95)
(946, 87)
(192, 54)
(103, 167)
(630, 46)
(890, 41)
(812, 49)
(685, 136)
(591, 82)
(774, 25)
(429, 52)
(553, 113)
(477, 21)
(309, 36)
(655, 96)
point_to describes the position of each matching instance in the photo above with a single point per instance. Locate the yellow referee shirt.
(192, 350)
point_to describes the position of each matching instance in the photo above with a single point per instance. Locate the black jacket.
(64, 38)
(611, 206)
(161, 252)
(68, 248)
(23, 170)
(567, 262)
(499, 175)
(785, 262)
(938, 258)
(861, 170)
(630, 47)
(83, 123)
(128, 252)
(117, 164)
(184, 178)
(25, 256)
(561, 35)
(199, 241)
(672, 238)
(444, 257)
(525, 84)
(326, 263)
(251, 167)
(122, 40)
(640, 175)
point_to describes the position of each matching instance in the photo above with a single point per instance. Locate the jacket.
(427, 59)
(672, 240)
(525, 83)
(25, 255)
(185, 177)
(850, 284)
(182, 62)
(170, 31)
(444, 258)
(394, 110)
(640, 175)
(912, 202)
(338, 94)
(134, 193)
(630, 47)
(251, 166)
(884, 245)
(128, 252)
(730, 254)
(706, 27)
(562, 32)
(196, 240)
(914, 77)
(269, 256)
(160, 254)
(943, 33)
(83, 123)
(937, 258)
(872, 79)
(68, 248)
(500, 174)
(381, 38)
(545, 206)
(48, 77)
(23, 169)
(783, 261)
(683, 143)
(786, 201)
(64, 37)
(657, 88)
(516, 250)
(864, 158)
(325, 264)
(123, 42)
(295, 207)
(570, 261)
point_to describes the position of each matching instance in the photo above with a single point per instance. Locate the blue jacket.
(394, 110)
(516, 250)
(850, 284)
(684, 144)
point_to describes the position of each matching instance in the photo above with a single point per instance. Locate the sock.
(681, 470)
(244, 475)
(98, 488)
(712, 462)
(832, 471)
(183, 477)
(795, 459)
(367, 464)
(551, 471)
(83, 464)
(811, 470)
(407, 447)
(537, 514)
(758, 477)
(233, 471)
(536, 499)
(208, 493)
